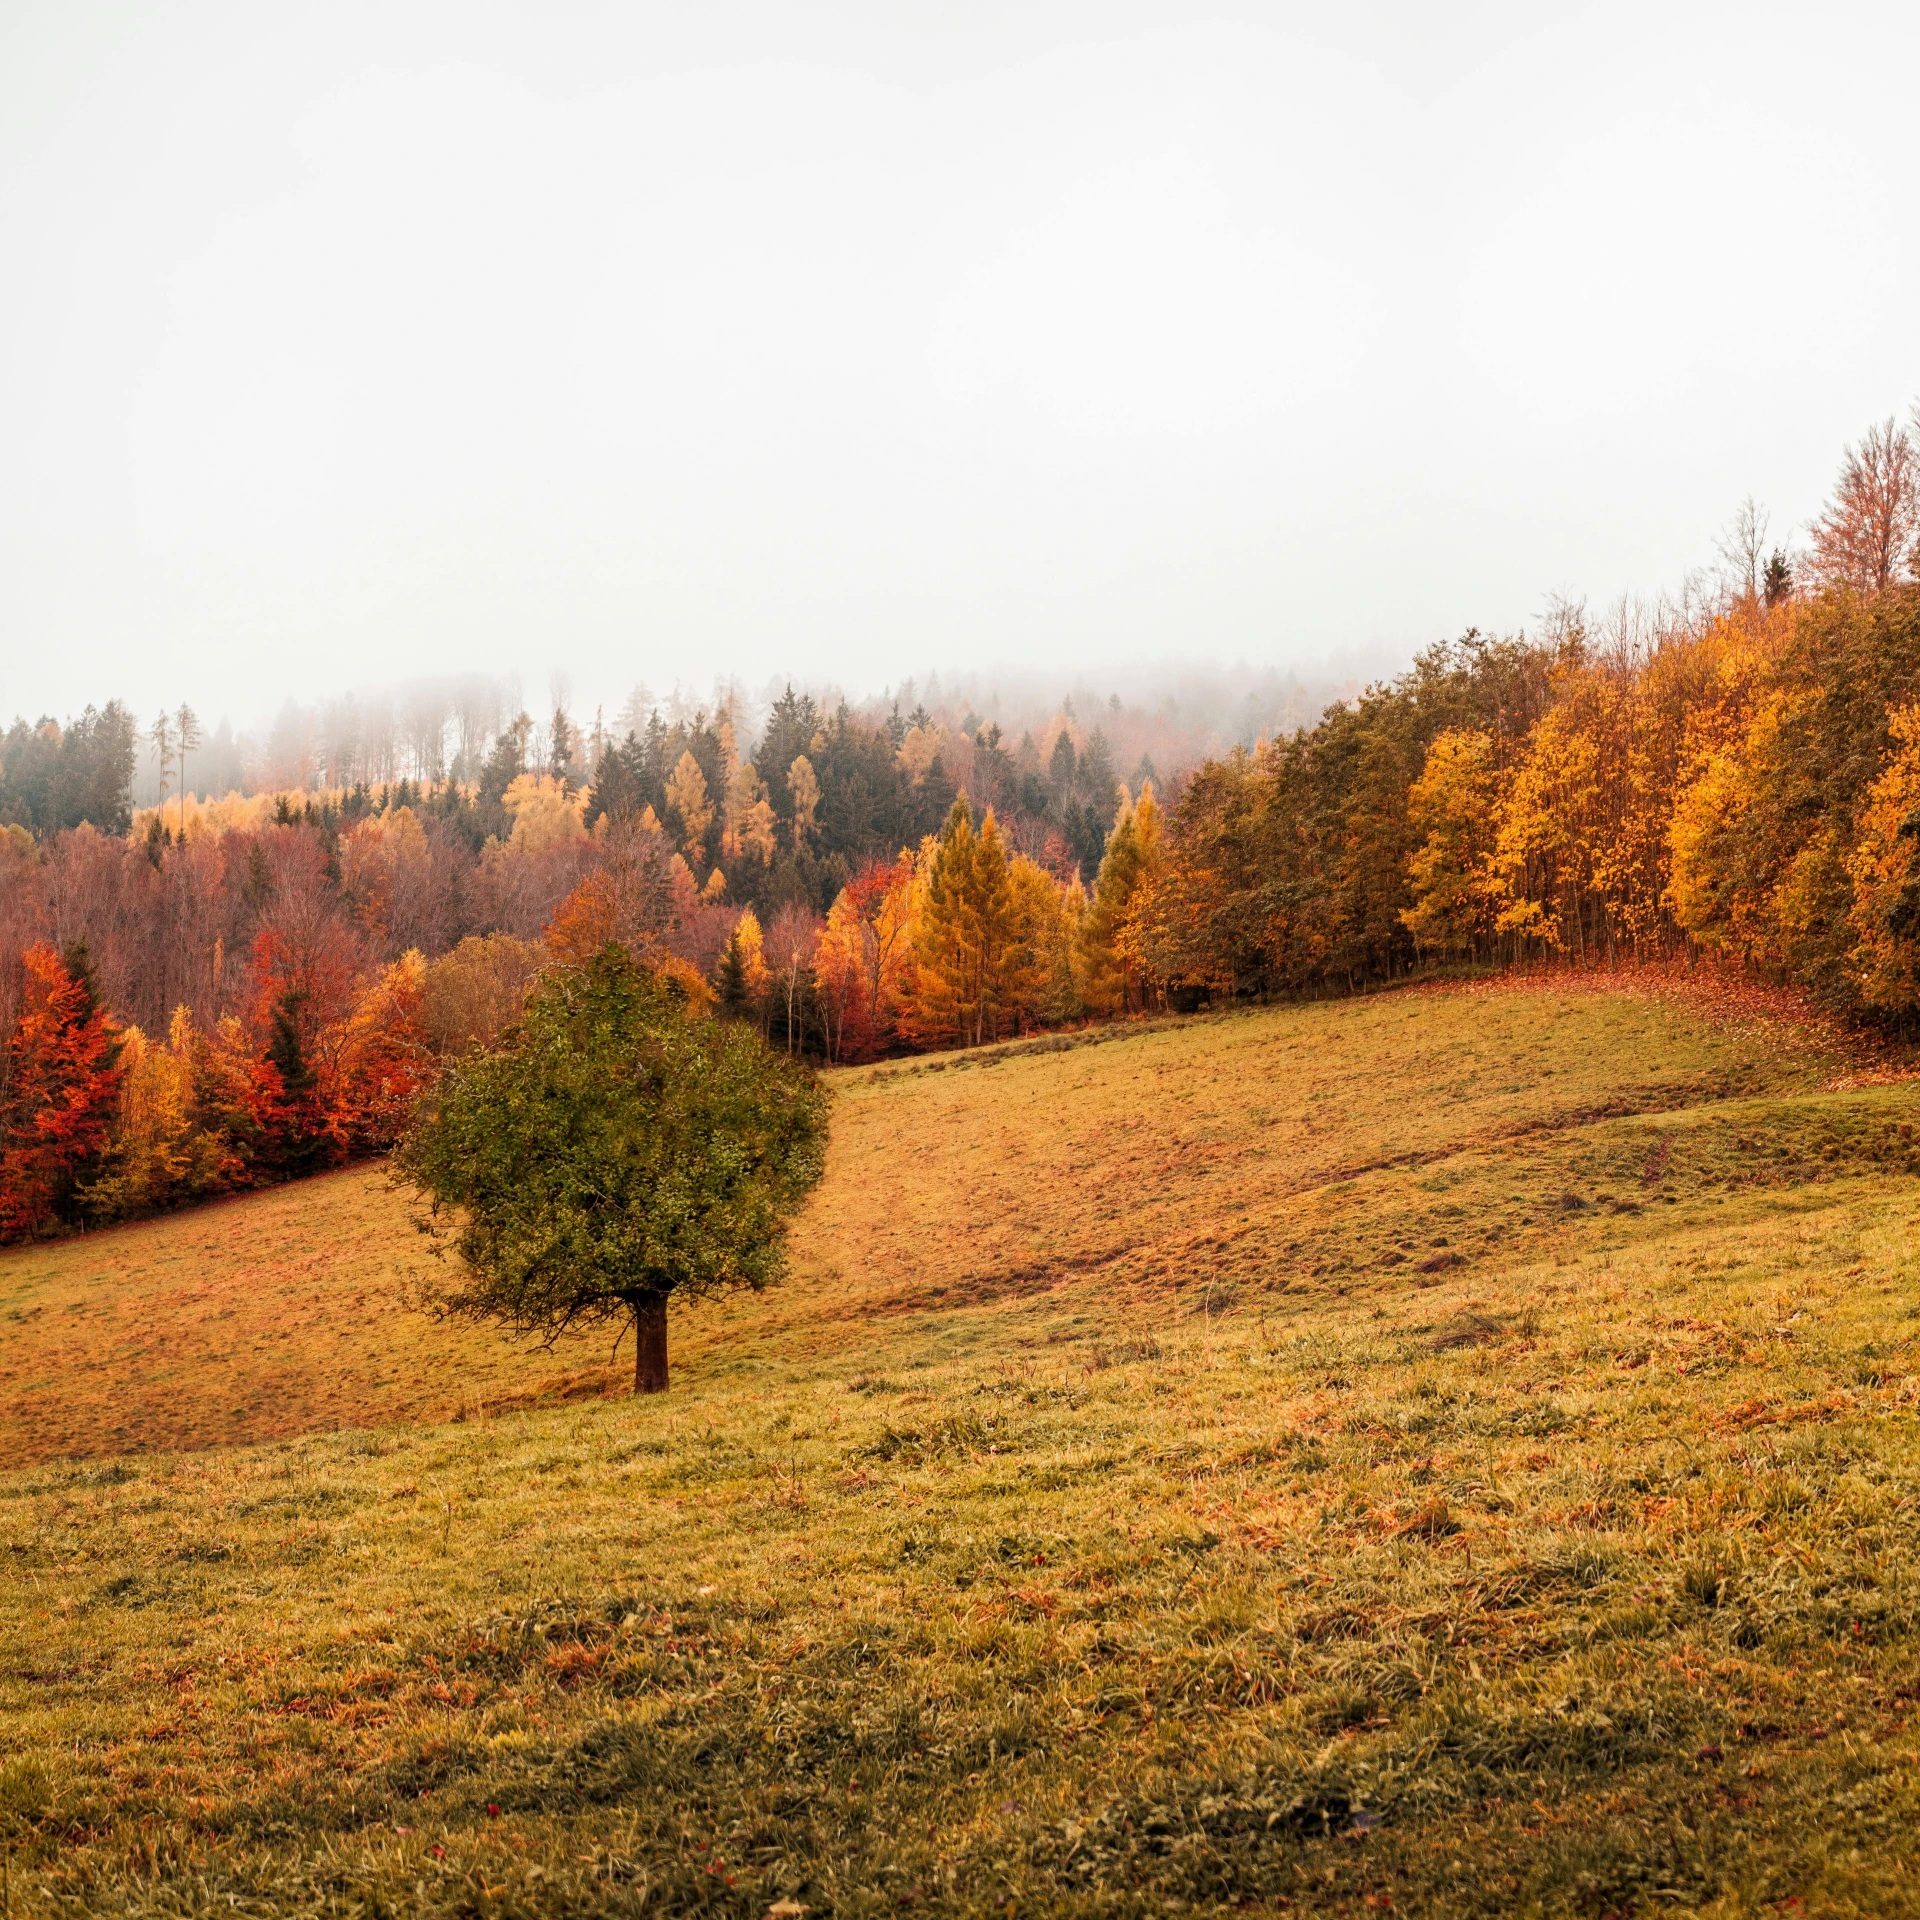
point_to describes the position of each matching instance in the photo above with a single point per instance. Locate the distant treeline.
(52, 777)
(1746, 786)
(208, 994)
(823, 793)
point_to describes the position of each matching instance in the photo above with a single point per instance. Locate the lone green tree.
(615, 1149)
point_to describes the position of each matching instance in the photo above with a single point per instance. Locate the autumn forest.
(220, 991)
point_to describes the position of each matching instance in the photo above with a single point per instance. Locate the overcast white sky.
(340, 343)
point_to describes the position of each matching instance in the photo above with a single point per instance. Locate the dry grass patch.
(273, 1314)
(1572, 1577)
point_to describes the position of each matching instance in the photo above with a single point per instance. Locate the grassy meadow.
(1437, 1453)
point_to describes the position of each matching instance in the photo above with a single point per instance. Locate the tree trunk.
(650, 1344)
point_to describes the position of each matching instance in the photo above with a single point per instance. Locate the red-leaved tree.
(298, 989)
(62, 1085)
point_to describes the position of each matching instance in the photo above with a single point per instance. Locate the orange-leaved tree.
(376, 1059)
(62, 1088)
(636, 898)
(297, 990)
(862, 958)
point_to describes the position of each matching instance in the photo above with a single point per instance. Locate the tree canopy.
(616, 1148)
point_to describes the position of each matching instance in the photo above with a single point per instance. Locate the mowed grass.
(1429, 1454)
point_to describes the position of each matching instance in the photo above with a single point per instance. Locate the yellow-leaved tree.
(968, 959)
(1544, 853)
(918, 751)
(160, 1156)
(1885, 869)
(1704, 888)
(1733, 730)
(1455, 803)
(1109, 981)
(546, 813)
(385, 870)
(687, 799)
(750, 816)
(805, 789)
(1048, 917)
(473, 994)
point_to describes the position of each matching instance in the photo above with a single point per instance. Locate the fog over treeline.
(1156, 723)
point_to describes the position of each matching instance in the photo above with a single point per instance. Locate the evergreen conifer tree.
(732, 980)
(297, 1137)
(1063, 768)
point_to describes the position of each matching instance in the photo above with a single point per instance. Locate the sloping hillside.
(1440, 1453)
(1333, 1148)
(281, 1313)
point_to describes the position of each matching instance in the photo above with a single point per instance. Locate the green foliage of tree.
(613, 1151)
(868, 806)
(562, 745)
(1083, 827)
(994, 775)
(507, 760)
(735, 995)
(619, 785)
(1063, 767)
(53, 777)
